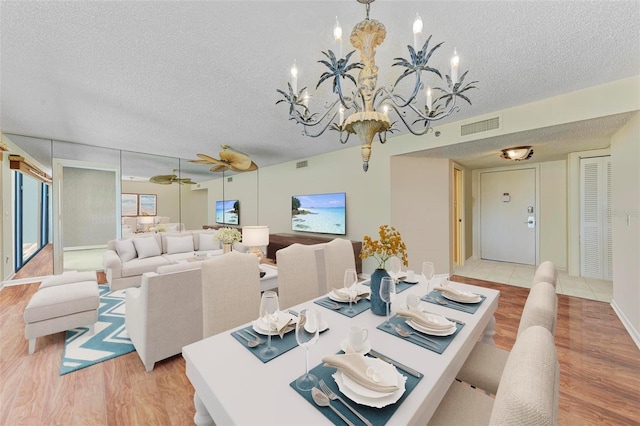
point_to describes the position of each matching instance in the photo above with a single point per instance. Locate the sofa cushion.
(146, 247)
(181, 244)
(178, 267)
(207, 241)
(126, 249)
(140, 266)
(59, 301)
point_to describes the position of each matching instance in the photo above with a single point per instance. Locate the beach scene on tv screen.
(322, 213)
(228, 212)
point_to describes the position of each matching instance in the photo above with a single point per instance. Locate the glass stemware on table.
(307, 332)
(394, 266)
(428, 272)
(350, 281)
(269, 308)
(387, 294)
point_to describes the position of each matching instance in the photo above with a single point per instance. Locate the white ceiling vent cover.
(480, 126)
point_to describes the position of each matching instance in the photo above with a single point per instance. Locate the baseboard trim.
(635, 335)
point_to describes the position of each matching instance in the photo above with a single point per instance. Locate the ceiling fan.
(169, 179)
(231, 159)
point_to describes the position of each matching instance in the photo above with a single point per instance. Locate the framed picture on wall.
(147, 205)
(129, 204)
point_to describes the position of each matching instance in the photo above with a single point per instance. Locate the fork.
(332, 396)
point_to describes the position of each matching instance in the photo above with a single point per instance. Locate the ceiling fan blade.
(219, 168)
(239, 161)
(162, 179)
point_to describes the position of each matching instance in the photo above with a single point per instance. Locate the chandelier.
(365, 109)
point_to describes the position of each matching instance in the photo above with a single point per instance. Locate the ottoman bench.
(62, 302)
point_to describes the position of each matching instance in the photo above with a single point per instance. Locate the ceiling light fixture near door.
(366, 109)
(517, 153)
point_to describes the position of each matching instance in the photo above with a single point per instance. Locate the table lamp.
(255, 237)
(146, 221)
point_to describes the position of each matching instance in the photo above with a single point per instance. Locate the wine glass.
(387, 293)
(307, 329)
(269, 308)
(350, 279)
(394, 265)
(427, 272)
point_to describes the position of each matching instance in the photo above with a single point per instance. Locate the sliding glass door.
(31, 217)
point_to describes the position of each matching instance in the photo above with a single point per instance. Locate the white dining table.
(232, 386)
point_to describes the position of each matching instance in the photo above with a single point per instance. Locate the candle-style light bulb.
(337, 36)
(294, 77)
(385, 109)
(305, 98)
(455, 61)
(341, 116)
(429, 99)
(417, 29)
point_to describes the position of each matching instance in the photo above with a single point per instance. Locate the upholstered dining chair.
(164, 313)
(486, 362)
(528, 394)
(545, 272)
(230, 291)
(300, 273)
(338, 257)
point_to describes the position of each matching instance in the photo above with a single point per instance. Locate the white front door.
(508, 216)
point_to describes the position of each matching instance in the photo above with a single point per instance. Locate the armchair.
(164, 313)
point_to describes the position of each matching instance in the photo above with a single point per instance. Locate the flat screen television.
(228, 212)
(319, 213)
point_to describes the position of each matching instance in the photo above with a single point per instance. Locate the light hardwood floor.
(600, 371)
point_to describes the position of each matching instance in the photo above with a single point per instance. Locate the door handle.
(531, 222)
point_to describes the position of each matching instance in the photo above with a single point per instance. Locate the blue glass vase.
(378, 306)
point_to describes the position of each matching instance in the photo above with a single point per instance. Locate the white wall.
(421, 209)
(625, 222)
(552, 217)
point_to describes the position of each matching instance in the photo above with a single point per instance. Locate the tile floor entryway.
(522, 275)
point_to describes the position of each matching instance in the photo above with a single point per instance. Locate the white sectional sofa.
(127, 259)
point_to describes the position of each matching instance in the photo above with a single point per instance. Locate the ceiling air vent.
(480, 126)
(230, 179)
(301, 164)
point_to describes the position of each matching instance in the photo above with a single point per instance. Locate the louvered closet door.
(595, 222)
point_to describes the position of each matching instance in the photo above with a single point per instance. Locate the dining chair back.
(528, 394)
(529, 387)
(545, 272)
(230, 291)
(300, 273)
(338, 257)
(485, 364)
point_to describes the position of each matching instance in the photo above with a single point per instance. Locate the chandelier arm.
(326, 126)
(346, 139)
(299, 118)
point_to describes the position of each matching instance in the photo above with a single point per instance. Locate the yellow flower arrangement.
(390, 244)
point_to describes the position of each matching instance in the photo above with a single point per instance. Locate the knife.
(395, 363)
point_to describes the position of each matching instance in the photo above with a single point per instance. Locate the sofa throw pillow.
(172, 228)
(126, 250)
(182, 244)
(208, 242)
(146, 247)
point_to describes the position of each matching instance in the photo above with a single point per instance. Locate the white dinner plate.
(260, 326)
(380, 400)
(432, 332)
(459, 300)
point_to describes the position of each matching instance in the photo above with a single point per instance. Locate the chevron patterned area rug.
(109, 340)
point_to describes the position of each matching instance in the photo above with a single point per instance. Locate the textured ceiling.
(177, 78)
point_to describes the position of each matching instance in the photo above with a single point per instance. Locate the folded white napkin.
(461, 295)
(355, 367)
(426, 320)
(284, 324)
(355, 296)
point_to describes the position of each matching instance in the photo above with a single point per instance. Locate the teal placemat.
(284, 344)
(441, 342)
(358, 308)
(377, 416)
(469, 308)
